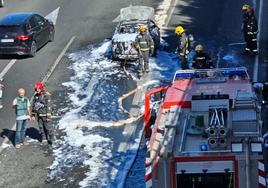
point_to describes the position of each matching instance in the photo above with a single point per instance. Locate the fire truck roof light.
(237, 147)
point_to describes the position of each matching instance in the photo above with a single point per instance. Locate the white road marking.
(7, 67)
(256, 62)
(51, 70)
(53, 16)
(6, 140)
(163, 16)
(171, 12)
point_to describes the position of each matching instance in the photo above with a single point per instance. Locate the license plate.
(7, 40)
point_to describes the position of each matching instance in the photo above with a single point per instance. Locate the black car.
(24, 33)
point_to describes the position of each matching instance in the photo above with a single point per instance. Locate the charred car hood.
(125, 37)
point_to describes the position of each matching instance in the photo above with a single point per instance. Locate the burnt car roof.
(15, 18)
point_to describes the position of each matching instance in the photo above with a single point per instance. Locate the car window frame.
(38, 22)
(30, 21)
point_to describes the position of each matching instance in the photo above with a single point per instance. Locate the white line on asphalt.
(7, 67)
(163, 15)
(51, 70)
(53, 16)
(171, 12)
(256, 62)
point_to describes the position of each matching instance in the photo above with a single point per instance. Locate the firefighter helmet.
(245, 7)
(39, 85)
(179, 30)
(142, 28)
(199, 47)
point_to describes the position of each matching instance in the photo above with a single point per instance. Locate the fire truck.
(206, 133)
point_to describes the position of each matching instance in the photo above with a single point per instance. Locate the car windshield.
(10, 29)
(128, 28)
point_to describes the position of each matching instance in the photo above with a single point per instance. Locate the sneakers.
(25, 143)
(18, 146)
(44, 142)
(249, 53)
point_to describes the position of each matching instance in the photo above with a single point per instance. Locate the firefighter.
(145, 47)
(265, 93)
(249, 28)
(183, 47)
(42, 110)
(201, 59)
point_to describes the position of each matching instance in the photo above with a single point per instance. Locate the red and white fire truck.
(207, 132)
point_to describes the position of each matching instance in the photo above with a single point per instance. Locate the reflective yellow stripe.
(47, 114)
(145, 49)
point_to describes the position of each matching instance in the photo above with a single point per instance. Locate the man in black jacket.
(42, 109)
(201, 60)
(249, 28)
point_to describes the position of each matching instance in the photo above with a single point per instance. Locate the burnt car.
(127, 29)
(24, 33)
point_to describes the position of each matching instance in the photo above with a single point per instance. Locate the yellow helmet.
(142, 28)
(179, 30)
(245, 7)
(199, 47)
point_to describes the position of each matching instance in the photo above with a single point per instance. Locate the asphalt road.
(216, 24)
(89, 20)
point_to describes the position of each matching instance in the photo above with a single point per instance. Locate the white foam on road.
(82, 145)
(87, 150)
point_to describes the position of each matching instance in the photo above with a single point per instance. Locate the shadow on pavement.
(9, 57)
(10, 134)
(31, 132)
(34, 134)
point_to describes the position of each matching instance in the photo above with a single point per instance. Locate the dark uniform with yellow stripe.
(202, 60)
(250, 30)
(183, 51)
(42, 109)
(145, 46)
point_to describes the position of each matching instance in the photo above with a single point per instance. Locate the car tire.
(33, 49)
(51, 35)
